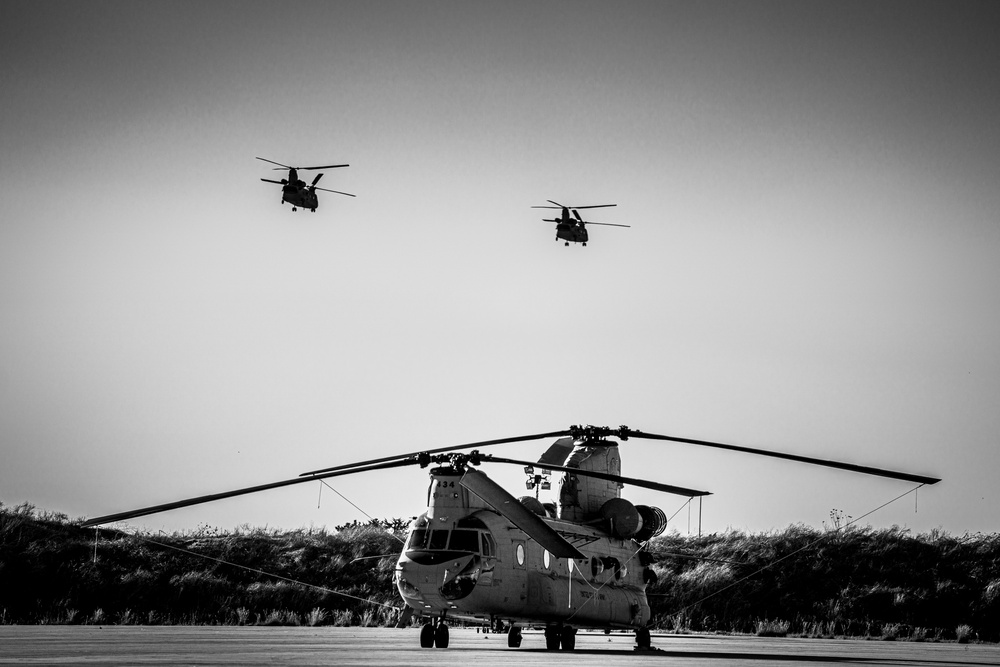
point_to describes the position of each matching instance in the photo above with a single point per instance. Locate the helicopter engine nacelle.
(654, 522)
(622, 518)
(639, 522)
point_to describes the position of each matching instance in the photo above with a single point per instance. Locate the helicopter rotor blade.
(271, 180)
(576, 214)
(264, 159)
(656, 486)
(325, 166)
(892, 474)
(441, 450)
(188, 502)
(605, 224)
(285, 166)
(519, 515)
(337, 192)
(316, 180)
(558, 205)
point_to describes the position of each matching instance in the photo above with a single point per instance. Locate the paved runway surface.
(200, 645)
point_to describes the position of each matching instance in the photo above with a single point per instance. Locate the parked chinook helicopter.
(296, 192)
(477, 552)
(574, 228)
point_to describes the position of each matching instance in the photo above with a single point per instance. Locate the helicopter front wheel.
(441, 636)
(427, 636)
(434, 635)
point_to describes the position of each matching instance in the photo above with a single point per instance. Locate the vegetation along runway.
(227, 645)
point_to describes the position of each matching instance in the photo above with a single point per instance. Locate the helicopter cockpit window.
(439, 539)
(464, 540)
(418, 539)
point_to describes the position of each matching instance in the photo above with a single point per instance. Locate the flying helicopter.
(296, 192)
(574, 228)
(479, 553)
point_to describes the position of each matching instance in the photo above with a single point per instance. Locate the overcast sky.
(813, 262)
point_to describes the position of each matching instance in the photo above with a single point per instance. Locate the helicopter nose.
(460, 581)
(441, 583)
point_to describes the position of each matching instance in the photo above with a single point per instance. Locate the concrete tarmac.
(210, 645)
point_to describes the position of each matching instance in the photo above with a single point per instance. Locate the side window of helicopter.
(439, 540)
(464, 540)
(489, 546)
(545, 558)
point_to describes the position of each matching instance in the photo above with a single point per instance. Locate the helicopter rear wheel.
(553, 637)
(568, 638)
(642, 639)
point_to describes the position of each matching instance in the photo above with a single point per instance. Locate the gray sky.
(812, 265)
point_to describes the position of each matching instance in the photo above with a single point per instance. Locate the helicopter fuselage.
(300, 196)
(295, 191)
(463, 559)
(571, 231)
(498, 571)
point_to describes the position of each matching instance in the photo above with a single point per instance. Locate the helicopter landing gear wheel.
(427, 636)
(441, 636)
(553, 637)
(294, 209)
(642, 639)
(432, 635)
(568, 638)
(514, 637)
(567, 243)
(584, 244)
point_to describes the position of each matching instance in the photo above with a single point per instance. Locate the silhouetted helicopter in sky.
(574, 228)
(296, 192)
(477, 552)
